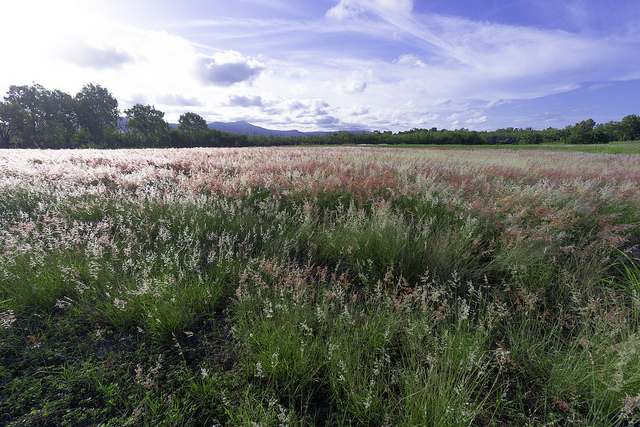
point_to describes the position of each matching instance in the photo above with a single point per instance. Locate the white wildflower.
(64, 302)
(6, 319)
(121, 304)
(274, 359)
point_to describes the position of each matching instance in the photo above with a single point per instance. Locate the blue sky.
(339, 64)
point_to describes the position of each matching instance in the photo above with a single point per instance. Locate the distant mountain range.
(245, 128)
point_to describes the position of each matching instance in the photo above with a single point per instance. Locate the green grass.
(614, 147)
(399, 311)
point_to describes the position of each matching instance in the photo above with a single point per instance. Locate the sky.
(327, 65)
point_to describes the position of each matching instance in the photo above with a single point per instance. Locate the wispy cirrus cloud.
(443, 64)
(392, 64)
(457, 58)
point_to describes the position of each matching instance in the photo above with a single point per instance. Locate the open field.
(614, 147)
(319, 286)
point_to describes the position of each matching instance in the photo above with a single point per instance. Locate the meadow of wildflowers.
(319, 286)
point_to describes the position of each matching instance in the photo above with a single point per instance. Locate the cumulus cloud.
(469, 118)
(98, 58)
(327, 120)
(137, 98)
(318, 107)
(473, 121)
(295, 104)
(343, 10)
(356, 110)
(299, 108)
(246, 101)
(227, 68)
(353, 86)
(179, 100)
(410, 60)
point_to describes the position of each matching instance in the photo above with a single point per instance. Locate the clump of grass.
(628, 270)
(384, 355)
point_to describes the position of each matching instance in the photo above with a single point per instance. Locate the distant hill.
(246, 128)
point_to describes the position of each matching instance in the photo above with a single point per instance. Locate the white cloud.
(599, 86)
(299, 108)
(350, 9)
(99, 58)
(353, 86)
(227, 68)
(355, 110)
(344, 10)
(410, 67)
(246, 101)
(494, 103)
(179, 100)
(412, 60)
(441, 102)
(473, 121)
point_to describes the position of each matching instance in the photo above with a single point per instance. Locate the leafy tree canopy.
(147, 122)
(97, 110)
(190, 124)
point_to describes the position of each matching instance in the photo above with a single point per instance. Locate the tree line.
(34, 117)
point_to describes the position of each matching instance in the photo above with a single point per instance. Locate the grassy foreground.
(319, 286)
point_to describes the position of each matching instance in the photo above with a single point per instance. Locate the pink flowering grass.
(319, 285)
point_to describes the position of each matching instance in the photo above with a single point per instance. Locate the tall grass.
(318, 286)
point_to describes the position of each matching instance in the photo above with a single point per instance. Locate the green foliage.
(38, 117)
(586, 132)
(34, 117)
(147, 122)
(629, 128)
(531, 138)
(97, 111)
(192, 124)
(628, 270)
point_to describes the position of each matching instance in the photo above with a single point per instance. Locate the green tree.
(191, 124)
(5, 125)
(147, 122)
(6, 130)
(62, 123)
(530, 137)
(97, 111)
(27, 112)
(584, 126)
(609, 129)
(39, 118)
(630, 127)
(584, 133)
